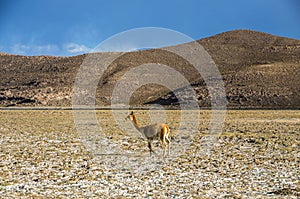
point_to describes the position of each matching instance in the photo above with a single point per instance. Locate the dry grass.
(41, 154)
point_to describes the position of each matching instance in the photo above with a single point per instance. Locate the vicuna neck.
(136, 125)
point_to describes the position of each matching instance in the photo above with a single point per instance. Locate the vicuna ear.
(131, 113)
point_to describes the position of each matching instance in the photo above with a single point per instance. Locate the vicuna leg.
(164, 154)
(169, 143)
(166, 141)
(150, 148)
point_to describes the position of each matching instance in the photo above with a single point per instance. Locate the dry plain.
(256, 156)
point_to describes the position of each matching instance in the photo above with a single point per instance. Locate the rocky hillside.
(259, 70)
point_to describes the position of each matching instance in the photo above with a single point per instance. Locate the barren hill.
(259, 70)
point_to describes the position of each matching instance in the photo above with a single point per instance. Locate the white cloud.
(67, 49)
(20, 49)
(115, 47)
(76, 48)
(48, 49)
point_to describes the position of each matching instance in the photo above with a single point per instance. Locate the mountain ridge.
(249, 61)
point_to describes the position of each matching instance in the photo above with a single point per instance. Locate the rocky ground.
(259, 70)
(257, 156)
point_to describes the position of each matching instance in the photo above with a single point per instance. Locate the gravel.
(249, 160)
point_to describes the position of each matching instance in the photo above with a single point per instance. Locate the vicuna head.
(130, 116)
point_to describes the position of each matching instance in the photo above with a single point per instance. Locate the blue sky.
(70, 27)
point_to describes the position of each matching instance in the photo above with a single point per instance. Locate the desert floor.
(43, 154)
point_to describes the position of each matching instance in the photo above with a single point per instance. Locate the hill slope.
(259, 71)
